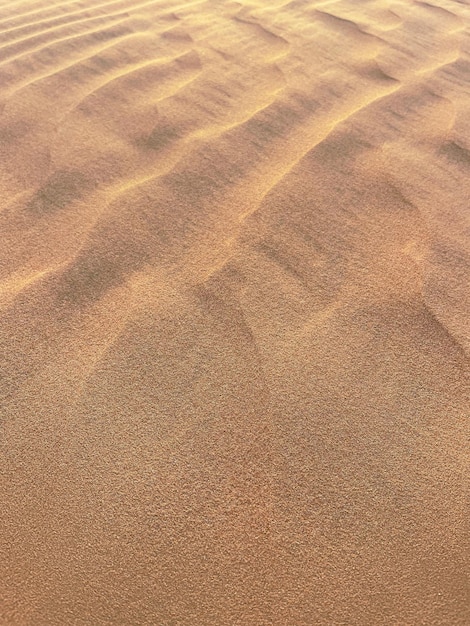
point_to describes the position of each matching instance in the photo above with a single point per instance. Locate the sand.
(235, 312)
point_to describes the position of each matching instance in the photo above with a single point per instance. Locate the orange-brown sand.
(235, 312)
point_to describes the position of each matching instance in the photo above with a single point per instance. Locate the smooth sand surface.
(235, 312)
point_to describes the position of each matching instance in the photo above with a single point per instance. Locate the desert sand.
(234, 312)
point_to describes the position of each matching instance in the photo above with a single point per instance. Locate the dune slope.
(234, 312)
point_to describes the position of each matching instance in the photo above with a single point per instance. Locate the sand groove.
(234, 312)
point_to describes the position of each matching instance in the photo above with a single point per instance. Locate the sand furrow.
(162, 69)
(49, 35)
(17, 50)
(95, 38)
(18, 14)
(117, 6)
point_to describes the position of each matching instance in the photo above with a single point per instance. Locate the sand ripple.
(234, 303)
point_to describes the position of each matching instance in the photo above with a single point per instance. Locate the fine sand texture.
(234, 312)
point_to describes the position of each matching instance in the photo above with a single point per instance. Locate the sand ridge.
(234, 296)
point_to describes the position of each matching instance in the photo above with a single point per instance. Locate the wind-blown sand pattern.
(234, 298)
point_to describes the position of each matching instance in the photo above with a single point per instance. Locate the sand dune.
(234, 301)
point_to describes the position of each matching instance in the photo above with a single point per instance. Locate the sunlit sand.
(235, 312)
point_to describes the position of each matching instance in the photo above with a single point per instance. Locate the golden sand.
(235, 312)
